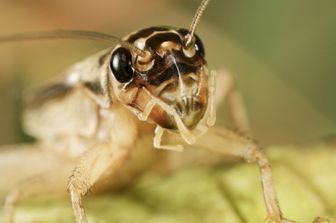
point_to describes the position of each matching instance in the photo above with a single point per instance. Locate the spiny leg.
(48, 182)
(227, 91)
(24, 190)
(227, 142)
(92, 166)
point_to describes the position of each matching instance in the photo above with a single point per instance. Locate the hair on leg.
(94, 163)
(228, 143)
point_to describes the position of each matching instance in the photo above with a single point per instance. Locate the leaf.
(304, 178)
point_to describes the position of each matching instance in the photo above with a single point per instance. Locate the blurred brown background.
(282, 54)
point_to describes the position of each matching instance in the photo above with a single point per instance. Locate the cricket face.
(169, 82)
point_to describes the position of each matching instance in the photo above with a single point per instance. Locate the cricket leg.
(227, 91)
(226, 142)
(45, 183)
(37, 172)
(28, 161)
(92, 166)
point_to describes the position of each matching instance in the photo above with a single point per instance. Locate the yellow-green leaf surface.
(305, 179)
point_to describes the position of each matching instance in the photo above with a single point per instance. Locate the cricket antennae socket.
(70, 34)
(189, 38)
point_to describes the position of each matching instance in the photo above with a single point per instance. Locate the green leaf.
(304, 178)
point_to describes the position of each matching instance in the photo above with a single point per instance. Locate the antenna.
(199, 12)
(70, 34)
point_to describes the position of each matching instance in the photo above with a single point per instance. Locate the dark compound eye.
(199, 46)
(121, 65)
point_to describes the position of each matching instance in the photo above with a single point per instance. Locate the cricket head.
(168, 82)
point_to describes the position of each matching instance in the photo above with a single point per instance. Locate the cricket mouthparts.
(190, 110)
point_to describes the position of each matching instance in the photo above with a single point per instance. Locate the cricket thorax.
(169, 72)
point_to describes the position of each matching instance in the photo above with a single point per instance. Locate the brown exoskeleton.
(154, 84)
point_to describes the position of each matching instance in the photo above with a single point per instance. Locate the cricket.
(151, 91)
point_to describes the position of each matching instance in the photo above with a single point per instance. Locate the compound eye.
(121, 65)
(199, 46)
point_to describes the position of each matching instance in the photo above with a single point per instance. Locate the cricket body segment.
(169, 73)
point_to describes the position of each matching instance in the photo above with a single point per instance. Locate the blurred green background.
(282, 54)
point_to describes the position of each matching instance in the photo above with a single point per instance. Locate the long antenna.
(69, 34)
(195, 21)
